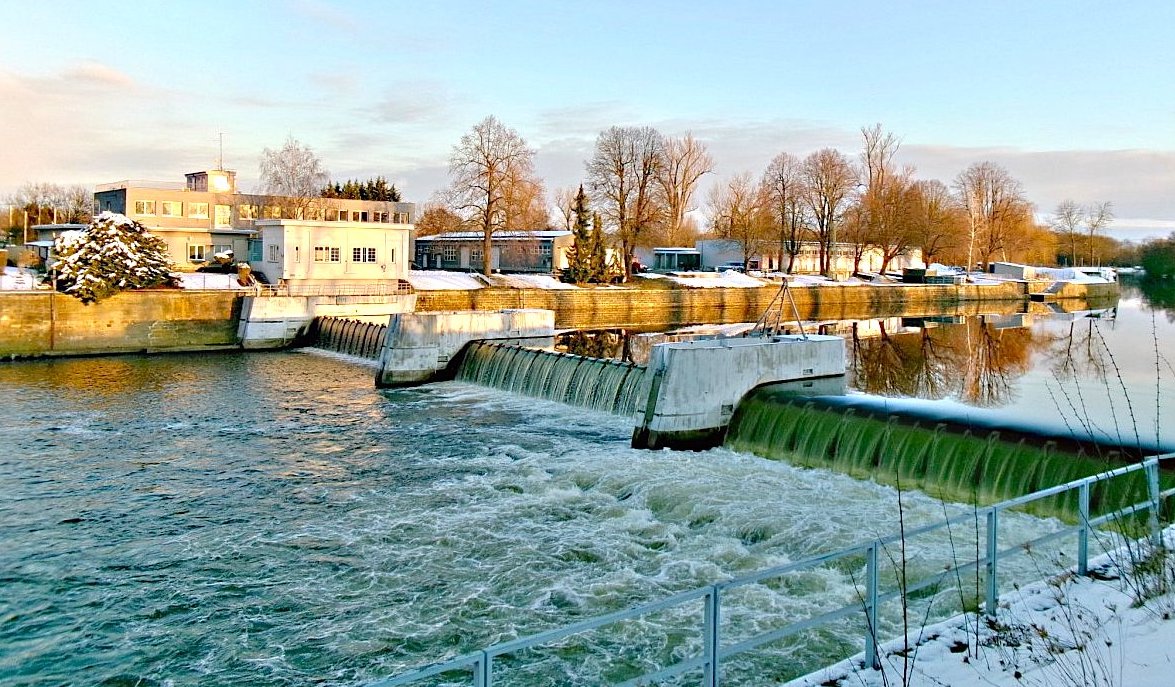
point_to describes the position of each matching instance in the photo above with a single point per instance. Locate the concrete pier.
(694, 386)
(269, 322)
(420, 347)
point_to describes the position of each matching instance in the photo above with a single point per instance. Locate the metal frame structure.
(480, 664)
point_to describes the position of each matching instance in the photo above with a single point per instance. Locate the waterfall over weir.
(596, 383)
(947, 458)
(353, 337)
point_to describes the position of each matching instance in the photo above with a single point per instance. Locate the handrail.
(713, 652)
(397, 288)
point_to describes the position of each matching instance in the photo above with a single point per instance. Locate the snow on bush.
(112, 254)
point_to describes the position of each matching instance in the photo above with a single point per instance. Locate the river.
(259, 519)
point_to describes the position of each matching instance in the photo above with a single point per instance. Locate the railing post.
(1083, 532)
(710, 637)
(993, 592)
(872, 576)
(1152, 483)
(483, 675)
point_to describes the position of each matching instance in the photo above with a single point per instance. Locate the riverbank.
(42, 323)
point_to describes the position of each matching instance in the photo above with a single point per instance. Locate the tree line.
(643, 184)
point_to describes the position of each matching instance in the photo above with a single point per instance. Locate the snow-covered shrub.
(112, 254)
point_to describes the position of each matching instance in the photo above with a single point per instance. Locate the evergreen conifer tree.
(112, 254)
(598, 264)
(580, 254)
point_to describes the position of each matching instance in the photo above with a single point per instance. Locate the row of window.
(199, 253)
(332, 254)
(246, 211)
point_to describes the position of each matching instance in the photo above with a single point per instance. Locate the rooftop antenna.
(220, 157)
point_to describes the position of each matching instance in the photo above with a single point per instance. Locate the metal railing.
(480, 664)
(389, 288)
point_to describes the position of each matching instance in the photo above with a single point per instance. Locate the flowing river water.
(260, 519)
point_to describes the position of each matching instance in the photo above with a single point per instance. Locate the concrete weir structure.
(275, 321)
(420, 347)
(694, 386)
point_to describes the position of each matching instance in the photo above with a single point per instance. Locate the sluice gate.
(344, 335)
(596, 383)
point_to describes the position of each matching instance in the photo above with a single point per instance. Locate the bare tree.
(1066, 221)
(783, 193)
(623, 176)
(736, 214)
(887, 203)
(565, 204)
(437, 218)
(995, 208)
(685, 161)
(488, 168)
(294, 176)
(1097, 217)
(829, 179)
(937, 219)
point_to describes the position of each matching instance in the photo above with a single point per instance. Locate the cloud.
(414, 103)
(319, 13)
(97, 75)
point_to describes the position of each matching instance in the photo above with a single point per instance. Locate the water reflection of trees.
(598, 343)
(975, 361)
(1158, 294)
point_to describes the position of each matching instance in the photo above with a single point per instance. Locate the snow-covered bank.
(18, 279)
(1067, 630)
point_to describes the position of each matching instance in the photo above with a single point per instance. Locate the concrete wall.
(269, 322)
(621, 307)
(694, 386)
(43, 323)
(420, 346)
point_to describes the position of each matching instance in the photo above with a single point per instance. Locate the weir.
(596, 383)
(345, 335)
(954, 459)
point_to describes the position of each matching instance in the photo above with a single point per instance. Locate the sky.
(1075, 99)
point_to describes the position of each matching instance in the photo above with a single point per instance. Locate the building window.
(332, 215)
(400, 218)
(224, 215)
(377, 216)
(327, 254)
(545, 249)
(273, 212)
(246, 211)
(144, 207)
(275, 253)
(475, 255)
(344, 215)
(450, 252)
(359, 216)
(198, 210)
(362, 255)
(171, 208)
(222, 249)
(196, 253)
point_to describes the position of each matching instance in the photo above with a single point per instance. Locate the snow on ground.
(209, 280)
(1069, 631)
(710, 280)
(437, 280)
(17, 279)
(530, 281)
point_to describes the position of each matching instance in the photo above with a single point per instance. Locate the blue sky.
(1074, 98)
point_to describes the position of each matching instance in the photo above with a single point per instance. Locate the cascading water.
(945, 458)
(596, 383)
(352, 337)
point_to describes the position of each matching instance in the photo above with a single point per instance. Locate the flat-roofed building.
(205, 214)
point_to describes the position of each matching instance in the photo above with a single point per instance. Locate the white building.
(322, 253)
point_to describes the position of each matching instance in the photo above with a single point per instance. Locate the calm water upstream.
(259, 519)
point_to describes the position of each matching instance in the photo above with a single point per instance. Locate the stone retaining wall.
(626, 307)
(42, 323)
